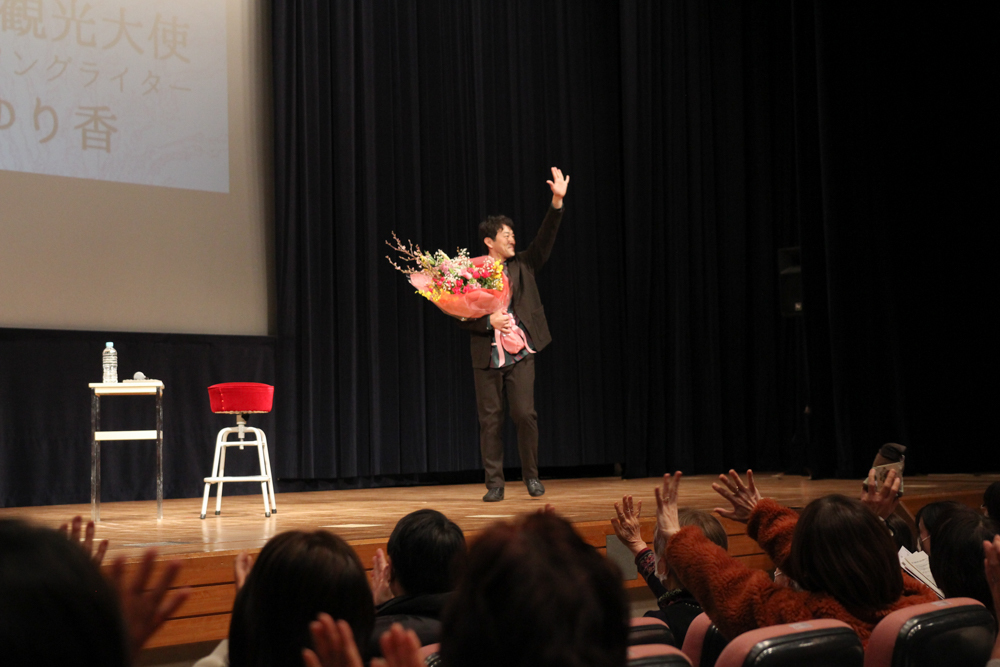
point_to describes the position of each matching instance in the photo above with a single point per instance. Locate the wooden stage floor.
(370, 514)
(365, 518)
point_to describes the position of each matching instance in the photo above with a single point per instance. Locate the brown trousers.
(518, 383)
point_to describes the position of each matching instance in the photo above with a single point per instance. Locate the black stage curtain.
(895, 166)
(701, 137)
(45, 413)
(421, 118)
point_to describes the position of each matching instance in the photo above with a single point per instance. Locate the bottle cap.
(109, 344)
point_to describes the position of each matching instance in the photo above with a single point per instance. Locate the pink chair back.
(817, 643)
(648, 630)
(656, 655)
(953, 631)
(703, 642)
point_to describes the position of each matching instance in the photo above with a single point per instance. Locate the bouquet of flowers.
(461, 286)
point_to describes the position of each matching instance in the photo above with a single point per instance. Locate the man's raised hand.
(559, 185)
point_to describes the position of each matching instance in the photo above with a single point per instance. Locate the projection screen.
(135, 165)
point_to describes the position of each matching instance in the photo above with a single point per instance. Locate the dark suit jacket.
(525, 301)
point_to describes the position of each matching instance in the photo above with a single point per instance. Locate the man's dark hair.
(427, 551)
(55, 606)
(841, 548)
(991, 501)
(296, 576)
(491, 226)
(534, 593)
(956, 558)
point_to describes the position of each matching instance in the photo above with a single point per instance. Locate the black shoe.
(493, 495)
(535, 487)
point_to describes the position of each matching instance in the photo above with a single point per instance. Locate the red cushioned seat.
(241, 398)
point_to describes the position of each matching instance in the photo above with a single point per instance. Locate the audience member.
(991, 501)
(411, 586)
(957, 559)
(901, 533)
(991, 551)
(297, 576)
(242, 565)
(58, 609)
(534, 593)
(677, 606)
(927, 520)
(837, 551)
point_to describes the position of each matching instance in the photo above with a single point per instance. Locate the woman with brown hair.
(838, 551)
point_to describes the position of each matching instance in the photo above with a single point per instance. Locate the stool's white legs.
(219, 470)
(263, 472)
(270, 479)
(222, 473)
(215, 472)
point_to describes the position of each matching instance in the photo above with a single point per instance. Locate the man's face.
(503, 245)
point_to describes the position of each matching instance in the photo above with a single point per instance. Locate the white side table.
(127, 388)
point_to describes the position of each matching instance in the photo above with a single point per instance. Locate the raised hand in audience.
(884, 501)
(73, 534)
(145, 604)
(241, 569)
(335, 647)
(626, 524)
(381, 591)
(667, 520)
(743, 497)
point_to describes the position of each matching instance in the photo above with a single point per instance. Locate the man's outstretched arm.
(538, 252)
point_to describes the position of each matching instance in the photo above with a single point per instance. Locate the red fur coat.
(739, 599)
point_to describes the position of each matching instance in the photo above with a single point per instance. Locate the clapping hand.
(146, 610)
(667, 520)
(335, 647)
(241, 569)
(381, 591)
(73, 535)
(743, 497)
(626, 524)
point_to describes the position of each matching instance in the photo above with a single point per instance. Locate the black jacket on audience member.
(420, 613)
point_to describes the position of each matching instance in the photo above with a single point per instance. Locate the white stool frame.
(219, 466)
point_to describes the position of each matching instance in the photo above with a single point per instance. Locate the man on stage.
(496, 368)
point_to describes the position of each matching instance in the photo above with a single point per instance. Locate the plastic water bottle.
(110, 363)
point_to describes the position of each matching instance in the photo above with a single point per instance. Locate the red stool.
(240, 398)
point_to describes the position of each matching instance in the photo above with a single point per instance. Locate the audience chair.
(656, 655)
(431, 655)
(240, 398)
(953, 631)
(648, 630)
(703, 643)
(817, 643)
